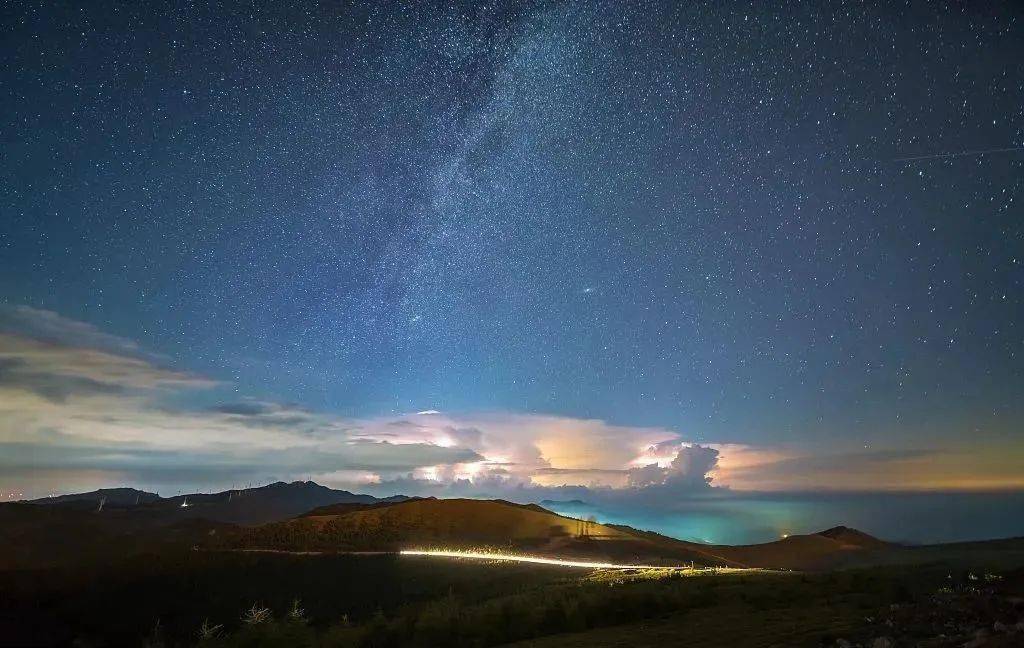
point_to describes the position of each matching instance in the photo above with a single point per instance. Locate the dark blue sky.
(684, 215)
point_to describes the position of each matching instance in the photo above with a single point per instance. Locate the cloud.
(56, 370)
(691, 467)
(652, 487)
(525, 440)
(77, 402)
(17, 373)
(75, 399)
(648, 475)
(48, 326)
(245, 408)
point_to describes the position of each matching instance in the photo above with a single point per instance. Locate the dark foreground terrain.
(261, 599)
(153, 573)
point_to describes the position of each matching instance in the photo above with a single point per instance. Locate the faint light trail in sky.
(477, 555)
(937, 156)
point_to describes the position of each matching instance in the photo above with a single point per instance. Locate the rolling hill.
(108, 524)
(110, 496)
(816, 551)
(307, 517)
(270, 503)
(497, 524)
(464, 523)
(34, 536)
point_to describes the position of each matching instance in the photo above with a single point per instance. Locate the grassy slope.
(916, 605)
(119, 604)
(467, 523)
(832, 548)
(720, 627)
(796, 552)
(474, 520)
(34, 536)
(422, 522)
(651, 608)
(820, 553)
(440, 602)
(470, 523)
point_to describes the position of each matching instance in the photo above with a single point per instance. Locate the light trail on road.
(477, 555)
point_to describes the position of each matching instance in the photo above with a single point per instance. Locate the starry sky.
(760, 247)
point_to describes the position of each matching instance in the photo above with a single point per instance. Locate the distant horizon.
(209, 490)
(807, 513)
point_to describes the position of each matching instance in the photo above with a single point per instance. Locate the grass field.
(720, 627)
(348, 601)
(616, 608)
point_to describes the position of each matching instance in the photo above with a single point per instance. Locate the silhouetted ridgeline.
(109, 524)
(277, 501)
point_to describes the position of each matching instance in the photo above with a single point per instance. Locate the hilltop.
(836, 547)
(853, 538)
(110, 496)
(498, 524)
(107, 524)
(465, 523)
(305, 516)
(270, 503)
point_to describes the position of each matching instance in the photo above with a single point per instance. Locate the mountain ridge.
(305, 516)
(259, 505)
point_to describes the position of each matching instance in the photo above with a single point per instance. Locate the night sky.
(672, 223)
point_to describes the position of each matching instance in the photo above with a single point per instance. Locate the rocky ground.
(969, 611)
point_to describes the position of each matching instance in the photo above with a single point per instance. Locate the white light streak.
(477, 555)
(938, 156)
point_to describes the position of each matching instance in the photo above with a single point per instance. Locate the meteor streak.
(475, 555)
(937, 156)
